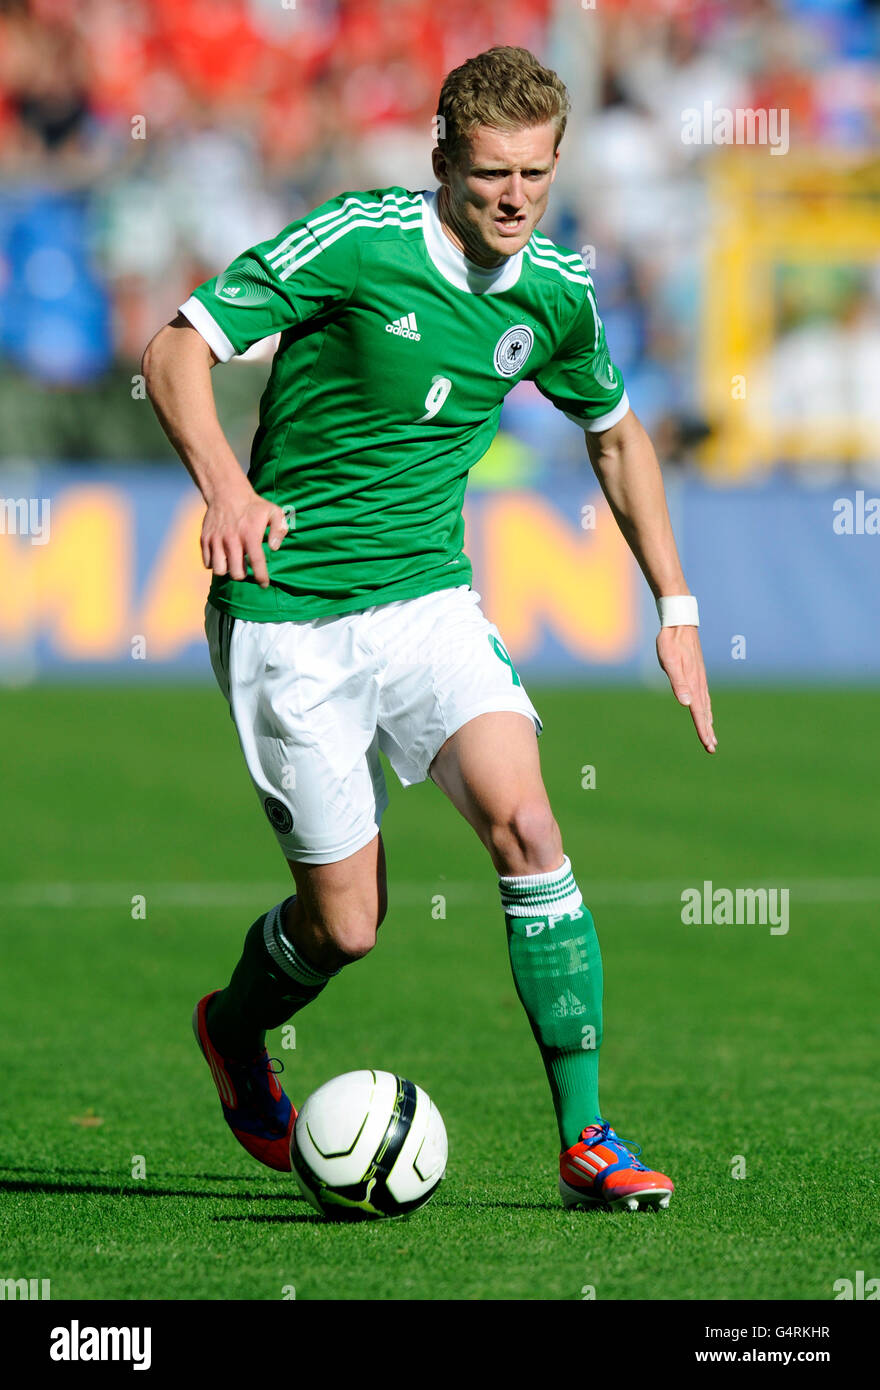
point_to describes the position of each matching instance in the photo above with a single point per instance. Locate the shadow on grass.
(282, 1217)
(90, 1172)
(135, 1188)
(462, 1207)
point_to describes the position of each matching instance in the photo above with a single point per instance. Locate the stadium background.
(142, 146)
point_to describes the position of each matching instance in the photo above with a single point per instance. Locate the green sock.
(557, 970)
(271, 982)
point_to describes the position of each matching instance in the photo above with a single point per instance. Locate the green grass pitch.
(721, 1041)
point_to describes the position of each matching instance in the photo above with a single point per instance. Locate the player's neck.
(450, 229)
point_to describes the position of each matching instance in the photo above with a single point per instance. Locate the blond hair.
(505, 88)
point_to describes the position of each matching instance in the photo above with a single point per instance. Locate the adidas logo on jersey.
(405, 327)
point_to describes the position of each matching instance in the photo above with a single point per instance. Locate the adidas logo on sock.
(568, 1006)
(405, 327)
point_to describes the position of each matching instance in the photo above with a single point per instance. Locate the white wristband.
(678, 610)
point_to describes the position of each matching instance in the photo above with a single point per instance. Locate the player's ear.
(440, 165)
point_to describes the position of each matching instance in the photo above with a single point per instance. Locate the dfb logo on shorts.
(512, 349)
(279, 815)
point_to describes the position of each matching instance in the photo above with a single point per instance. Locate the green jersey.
(394, 357)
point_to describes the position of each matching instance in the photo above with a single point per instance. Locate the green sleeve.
(303, 272)
(580, 378)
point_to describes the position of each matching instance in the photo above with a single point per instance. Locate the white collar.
(454, 265)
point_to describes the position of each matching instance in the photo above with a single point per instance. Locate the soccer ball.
(368, 1144)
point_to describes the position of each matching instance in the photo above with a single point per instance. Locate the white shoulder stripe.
(597, 322)
(357, 204)
(391, 221)
(352, 207)
(582, 279)
(547, 248)
(551, 252)
(304, 238)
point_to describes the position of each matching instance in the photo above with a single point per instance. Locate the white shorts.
(315, 701)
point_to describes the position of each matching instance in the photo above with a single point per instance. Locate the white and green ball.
(368, 1144)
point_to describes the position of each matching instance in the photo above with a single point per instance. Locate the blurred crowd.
(145, 143)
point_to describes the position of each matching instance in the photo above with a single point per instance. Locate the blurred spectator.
(821, 379)
(162, 137)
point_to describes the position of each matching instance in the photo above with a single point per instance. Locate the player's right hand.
(233, 532)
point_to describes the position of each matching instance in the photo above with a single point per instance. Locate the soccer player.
(341, 620)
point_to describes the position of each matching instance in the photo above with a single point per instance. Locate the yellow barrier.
(538, 570)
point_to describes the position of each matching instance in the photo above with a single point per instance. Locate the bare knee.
(527, 840)
(331, 939)
(355, 935)
(339, 907)
(354, 938)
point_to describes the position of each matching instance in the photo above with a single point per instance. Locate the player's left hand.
(681, 657)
